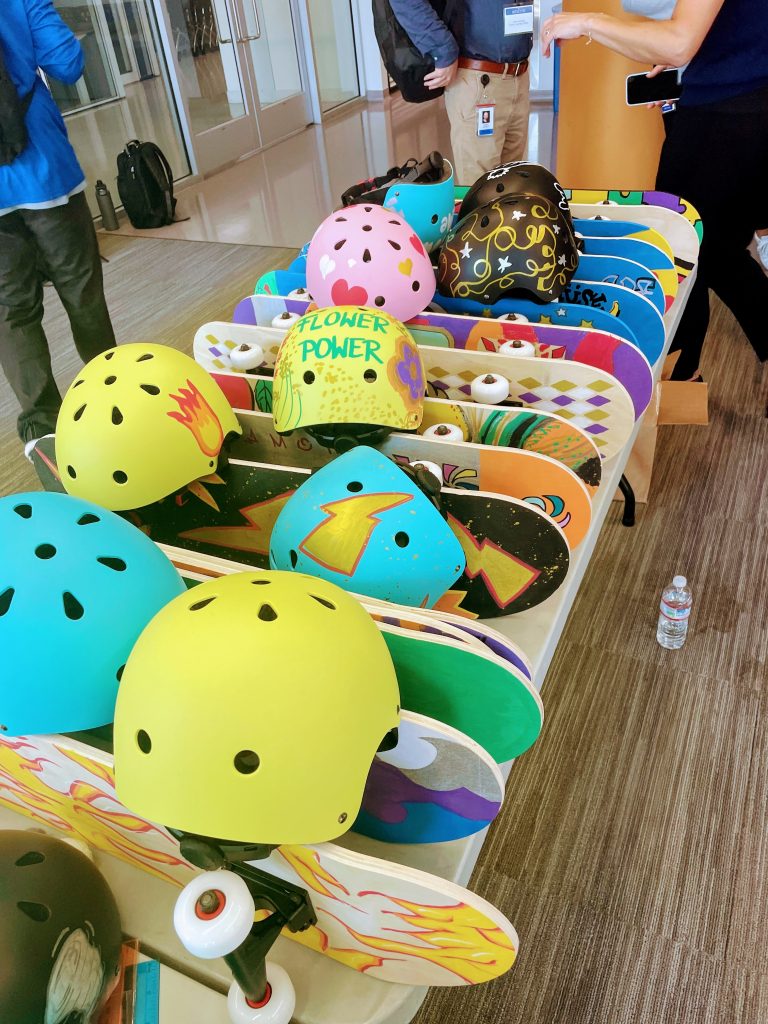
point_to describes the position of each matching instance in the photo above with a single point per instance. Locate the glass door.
(241, 76)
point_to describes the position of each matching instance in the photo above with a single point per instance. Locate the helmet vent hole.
(72, 607)
(33, 857)
(367, 256)
(267, 613)
(294, 558)
(77, 384)
(434, 218)
(36, 911)
(87, 519)
(370, 376)
(395, 222)
(117, 416)
(500, 187)
(402, 539)
(367, 209)
(120, 477)
(143, 358)
(339, 245)
(309, 377)
(379, 300)
(119, 673)
(201, 604)
(143, 741)
(340, 219)
(151, 389)
(108, 355)
(395, 245)
(110, 380)
(416, 285)
(260, 583)
(367, 227)
(324, 602)
(117, 564)
(71, 472)
(484, 221)
(45, 551)
(79, 413)
(342, 817)
(246, 762)
(25, 511)
(354, 486)
(5, 600)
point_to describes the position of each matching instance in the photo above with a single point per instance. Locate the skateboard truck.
(289, 906)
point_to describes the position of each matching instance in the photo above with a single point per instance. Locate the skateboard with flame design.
(384, 919)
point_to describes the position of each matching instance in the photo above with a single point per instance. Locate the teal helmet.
(366, 525)
(78, 584)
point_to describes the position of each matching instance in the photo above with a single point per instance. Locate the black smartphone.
(665, 86)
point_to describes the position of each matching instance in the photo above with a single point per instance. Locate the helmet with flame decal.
(59, 930)
(516, 244)
(289, 722)
(139, 422)
(348, 367)
(363, 523)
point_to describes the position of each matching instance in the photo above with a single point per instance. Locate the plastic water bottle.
(675, 609)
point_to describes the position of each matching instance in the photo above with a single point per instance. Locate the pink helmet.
(369, 256)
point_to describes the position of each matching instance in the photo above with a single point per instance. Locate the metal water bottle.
(106, 207)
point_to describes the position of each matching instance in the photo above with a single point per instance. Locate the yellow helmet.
(348, 364)
(268, 737)
(139, 422)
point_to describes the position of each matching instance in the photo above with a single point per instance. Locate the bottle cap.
(679, 582)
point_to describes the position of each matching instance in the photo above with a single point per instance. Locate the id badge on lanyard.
(518, 19)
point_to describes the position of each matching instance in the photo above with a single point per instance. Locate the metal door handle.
(216, 23)
(254, 5)
(248, 39)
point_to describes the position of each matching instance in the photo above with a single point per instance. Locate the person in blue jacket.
(480, 49)
(46, 229)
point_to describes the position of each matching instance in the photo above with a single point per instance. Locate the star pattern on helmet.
(504, 264)
(556, 228)
(466, 251)
(518, 215)
(562, 261)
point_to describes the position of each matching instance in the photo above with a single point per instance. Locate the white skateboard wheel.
(277, 1007)
(518, 347)
(298, 293)
(514, 318)
(444, 432)
(433, 468)
(247, 357)
(284, 321)
(214, 914)
(490, 389)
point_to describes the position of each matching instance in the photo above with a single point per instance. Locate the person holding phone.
(715, 153)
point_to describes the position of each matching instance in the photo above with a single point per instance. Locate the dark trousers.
(716, 157)
(58, 244)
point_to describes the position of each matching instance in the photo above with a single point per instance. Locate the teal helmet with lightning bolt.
(365, 524)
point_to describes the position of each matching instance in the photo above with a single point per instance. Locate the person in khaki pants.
(481, 50)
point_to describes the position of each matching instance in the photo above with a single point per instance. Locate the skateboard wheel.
(214, 914)
(444, 432)
(277, 1007)
(518, 347)
(514, 318)
(285, 320)
(432, 467)
(298, 293)
(247, 357)
(490, 388)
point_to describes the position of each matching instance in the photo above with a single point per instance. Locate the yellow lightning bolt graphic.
(505, 576)
(338, 543)
(254, 537)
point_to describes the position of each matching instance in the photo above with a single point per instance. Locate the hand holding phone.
(665, 86)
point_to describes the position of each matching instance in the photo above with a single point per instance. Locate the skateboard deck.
(602, 269)
(387, 920)
(599, 227)
(643, 254)
(611, 353)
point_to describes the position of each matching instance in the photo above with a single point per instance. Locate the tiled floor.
(280, 196)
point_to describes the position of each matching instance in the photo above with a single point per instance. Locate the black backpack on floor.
(145, 184)
(13, 110)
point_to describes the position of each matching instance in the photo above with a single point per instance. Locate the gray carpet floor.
(632, 851)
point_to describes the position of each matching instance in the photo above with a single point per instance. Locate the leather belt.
(492, 68)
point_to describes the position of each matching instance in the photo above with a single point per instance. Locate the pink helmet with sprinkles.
(369, 256)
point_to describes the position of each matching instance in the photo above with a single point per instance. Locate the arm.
(426, 31)
(672, 42)
(57, 51)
